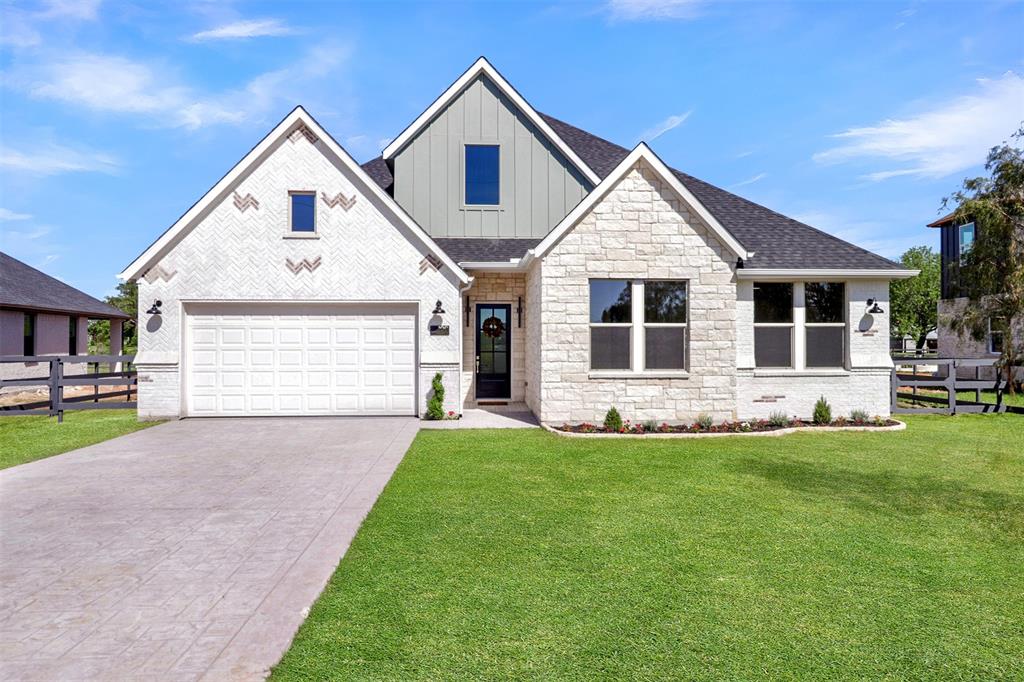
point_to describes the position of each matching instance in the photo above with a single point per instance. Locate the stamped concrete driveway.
(189, 550)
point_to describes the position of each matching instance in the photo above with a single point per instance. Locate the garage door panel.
(309, 363)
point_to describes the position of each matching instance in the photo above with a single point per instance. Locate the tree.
(991, 272)
(127, 301)
(915, 301)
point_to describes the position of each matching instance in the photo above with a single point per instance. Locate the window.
(611, 322)
(638, 326)
(303, 212)
(482, 185)
(29, 334)
(73, 335)
(995, 335)
(825, 324)
(665, 325)
(773, 324)
(966, 237)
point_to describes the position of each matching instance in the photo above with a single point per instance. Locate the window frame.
(990, 338)
(808, 325)
(792, 325)
(961, 248)
(73, 335)
(637, 332)
(463, 204)
(28, 335)
(290, 232)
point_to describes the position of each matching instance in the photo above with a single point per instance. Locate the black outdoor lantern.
(155, 308)
(438, 310)
(874, 308)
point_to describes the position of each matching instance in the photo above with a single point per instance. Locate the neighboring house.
(524, 259)
(955, 240)
(40, 315)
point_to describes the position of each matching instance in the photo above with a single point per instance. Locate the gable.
(297, 131)
(538, 183)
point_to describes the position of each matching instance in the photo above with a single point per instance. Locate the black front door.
(493, 336)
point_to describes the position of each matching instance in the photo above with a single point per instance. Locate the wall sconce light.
(155, 308)
(519, 312)
(437, 327)
(438, 310)
(874, 308)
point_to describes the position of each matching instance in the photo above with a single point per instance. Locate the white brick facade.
(236, 255)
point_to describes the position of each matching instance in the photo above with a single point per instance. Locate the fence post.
(894, 384)
(951, 386)
(56, 390)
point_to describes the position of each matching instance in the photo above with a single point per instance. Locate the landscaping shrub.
(705, 422)
(613, 420)
(778, 419)
(822, 412)
(859, 416)
(650, 425)
(435, 405)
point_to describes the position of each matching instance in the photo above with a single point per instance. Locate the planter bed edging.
(898, 426)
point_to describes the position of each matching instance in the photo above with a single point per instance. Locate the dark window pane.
(72, 335)
(665, 347)
(773, 302)
(482, 184)
(664, 301)
(773, 346)
(825, 301)
(825, 346)
(609, 348)
(303, 213)
(611, 300)
(29, 335)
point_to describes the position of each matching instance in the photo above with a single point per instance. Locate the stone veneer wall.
(863, 384)
(534, 348)
(952, 345)
(639, 230)
(238, 250)
(495, 287)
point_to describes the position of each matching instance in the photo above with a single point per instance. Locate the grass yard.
(521, 554)
(28, 438)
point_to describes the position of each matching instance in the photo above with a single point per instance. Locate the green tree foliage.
(613, 420)
(435, 405)
(991, 273)
(127, 301)
(915, 301)
(822, 412)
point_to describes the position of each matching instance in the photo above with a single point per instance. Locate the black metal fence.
(942, 374)
(119, 372)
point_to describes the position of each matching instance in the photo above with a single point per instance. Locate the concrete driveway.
(189, 550)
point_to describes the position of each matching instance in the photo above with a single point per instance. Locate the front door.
(493, 339)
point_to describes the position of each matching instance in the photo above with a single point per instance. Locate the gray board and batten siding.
(538, 185)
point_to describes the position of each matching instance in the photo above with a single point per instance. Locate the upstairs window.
(482, 182)
(773, 324)
(302, 212)
(966, 233)
(29, 335)
(73, 335)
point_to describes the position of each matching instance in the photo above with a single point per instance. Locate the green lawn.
(28, 438)
(521, 554)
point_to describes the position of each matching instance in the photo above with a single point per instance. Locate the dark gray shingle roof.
(22, 286)
(472, 249)
(776, 240)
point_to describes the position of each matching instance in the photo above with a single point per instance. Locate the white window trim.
(799, 326)
(289, 232)
(500, 206)
(638, 336)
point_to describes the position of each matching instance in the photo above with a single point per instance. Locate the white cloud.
(750, 181)
(52, 159)
(83, 10)
(7, 215)
(656, 131)
(114, 84)
(240, 30)
(653, 10)
(948, 139)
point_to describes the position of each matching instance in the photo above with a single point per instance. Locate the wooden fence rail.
(946, 377)
(120, 373)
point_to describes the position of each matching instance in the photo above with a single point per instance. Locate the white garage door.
(301, 360)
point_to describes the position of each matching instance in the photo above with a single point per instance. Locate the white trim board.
(645, 153)
(298, 116)
(482, 67)
(791, 275)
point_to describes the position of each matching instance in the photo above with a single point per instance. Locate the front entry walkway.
(189, 550)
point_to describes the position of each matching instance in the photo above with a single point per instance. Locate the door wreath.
(493, 327)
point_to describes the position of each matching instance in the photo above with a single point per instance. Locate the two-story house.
(522, 258)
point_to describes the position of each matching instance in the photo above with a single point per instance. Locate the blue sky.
(857, 118)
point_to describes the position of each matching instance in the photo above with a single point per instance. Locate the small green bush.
(778, 419)
(650, 425)
(613, 420)
(859, 415)
(705, 421)
(435, 405)
(822, 412)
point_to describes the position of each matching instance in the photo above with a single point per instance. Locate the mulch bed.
(749, 426)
